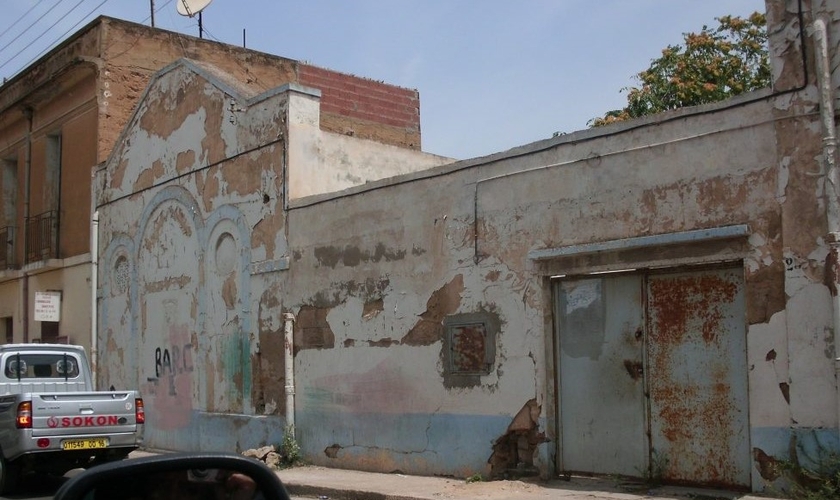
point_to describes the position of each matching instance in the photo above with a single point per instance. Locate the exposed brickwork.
(367, 100)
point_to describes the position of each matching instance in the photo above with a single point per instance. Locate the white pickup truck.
(51, 419)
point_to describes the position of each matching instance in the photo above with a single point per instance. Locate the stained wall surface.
(61, 116)
(193, 229)
(427, 338)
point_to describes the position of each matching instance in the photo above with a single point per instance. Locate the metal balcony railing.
(42, 237)
(7, 247)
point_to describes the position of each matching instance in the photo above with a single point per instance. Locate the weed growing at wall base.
(290, 449)
(818, 482)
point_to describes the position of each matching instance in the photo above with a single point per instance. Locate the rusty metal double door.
(652, 376)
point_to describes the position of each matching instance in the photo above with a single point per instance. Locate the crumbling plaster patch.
(208, 184)
(429, 329)
(166, 105)
(800, 272)
(760, 256)
(514, 453)
(767, 350)
(217, 132)
(143, 142)
(783, 179)
(184, 162)
(118, 174)
(352, 255)
(765, 292)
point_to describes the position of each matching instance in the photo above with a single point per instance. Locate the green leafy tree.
(711, 66)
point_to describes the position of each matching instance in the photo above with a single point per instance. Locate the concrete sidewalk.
(338, 484)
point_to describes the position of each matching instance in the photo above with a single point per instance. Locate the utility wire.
(30, 26)
(20, 18)
(50, 46)
(211, 35)
(156, 11)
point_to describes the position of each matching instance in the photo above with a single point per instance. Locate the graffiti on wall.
(173, 361)
(169, 369)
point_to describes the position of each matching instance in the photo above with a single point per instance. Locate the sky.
(492, 74)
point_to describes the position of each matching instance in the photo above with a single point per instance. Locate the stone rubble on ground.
(266, 454)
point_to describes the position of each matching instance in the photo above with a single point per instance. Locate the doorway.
(652, 376)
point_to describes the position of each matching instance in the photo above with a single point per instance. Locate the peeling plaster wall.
(203, 260)
(399, 246)
(190, 217)
(793, 384)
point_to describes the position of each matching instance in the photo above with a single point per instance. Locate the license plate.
(84, 444)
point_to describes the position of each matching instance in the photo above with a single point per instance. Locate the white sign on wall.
(47, 306)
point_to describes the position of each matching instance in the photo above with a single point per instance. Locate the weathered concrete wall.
(793, 349)
(379, 270)
(87, 88)
(324, 162)
(190, 209)
(201, 256)
(193, 232)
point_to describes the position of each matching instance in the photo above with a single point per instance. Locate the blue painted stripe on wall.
(426, 444)
(218, 432)
(776, 441)
(811, 445)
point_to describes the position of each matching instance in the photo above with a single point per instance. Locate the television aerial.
(191, 8)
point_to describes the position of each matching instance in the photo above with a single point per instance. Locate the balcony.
(7, 248)
(42, 237)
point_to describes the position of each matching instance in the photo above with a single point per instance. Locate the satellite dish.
(191, 7)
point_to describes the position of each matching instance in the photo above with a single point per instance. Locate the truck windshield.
(58, 365)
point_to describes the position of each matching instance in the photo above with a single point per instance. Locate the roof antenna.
(190, 8)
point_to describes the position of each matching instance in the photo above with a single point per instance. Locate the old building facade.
(657, 296)
(59, 119)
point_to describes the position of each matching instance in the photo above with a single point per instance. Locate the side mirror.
(181, 476)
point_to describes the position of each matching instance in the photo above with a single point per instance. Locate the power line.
(157, 10)
(50, 46)
(20, 18)
(31, 25)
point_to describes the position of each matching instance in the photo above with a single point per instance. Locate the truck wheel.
(9, 476)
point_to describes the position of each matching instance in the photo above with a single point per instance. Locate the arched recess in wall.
(170, 256)
(227, 319)
(117, 338)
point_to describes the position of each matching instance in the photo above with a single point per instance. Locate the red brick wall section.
(364, 99)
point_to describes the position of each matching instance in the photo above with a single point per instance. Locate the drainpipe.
(832, 185)
(28, 112)
(289, 330)
(94, 284)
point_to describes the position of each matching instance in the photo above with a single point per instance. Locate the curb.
(326, 493)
